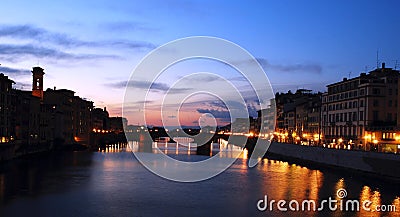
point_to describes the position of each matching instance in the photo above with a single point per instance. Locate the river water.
(111, 182)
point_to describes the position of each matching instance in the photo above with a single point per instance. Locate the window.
(361, 118)
(375, 103)
(350, 105)
(362, 92)
(354, 116)
(355, 104)
(361, 103)
(345, 117)
(389, 117)
(350, 119)
(388, 135)
(376, 91)
(375, 115)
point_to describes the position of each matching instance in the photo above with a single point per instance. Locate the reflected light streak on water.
(111, 182)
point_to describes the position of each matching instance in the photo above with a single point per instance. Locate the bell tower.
(37, 85)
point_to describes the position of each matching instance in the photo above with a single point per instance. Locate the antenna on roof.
(366, 68)
(349, 74)
(395, 65)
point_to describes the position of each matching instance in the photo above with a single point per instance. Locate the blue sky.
(92, 47)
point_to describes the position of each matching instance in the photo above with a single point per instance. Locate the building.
(247, 126)
(100, 119)
(26, 120)
(298, 117)
(6, 109)
(362, 112)
(82, 119)
(71, 114)
(62, 103)
(267, 120)
(37, 82)
(118, 124)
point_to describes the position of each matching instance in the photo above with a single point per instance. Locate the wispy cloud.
(286, 68)
(300, 67)
(221, 115)
(155, 86)
(13, 52)
(126, 26)
(14, 71)
(30, 32)
(216, 113)
(23, 85)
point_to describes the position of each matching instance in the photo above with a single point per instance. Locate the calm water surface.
(113, 183)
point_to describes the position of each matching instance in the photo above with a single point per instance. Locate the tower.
(37, 85)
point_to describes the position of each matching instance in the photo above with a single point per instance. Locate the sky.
(92, 47)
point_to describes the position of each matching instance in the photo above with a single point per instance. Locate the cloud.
(14, 53)
(23, 86)
(299, 67)
(30, 32)
(145, 101)
(222, 114)
(14, 71)
(155, 86)
(311, 68)
(125, 26)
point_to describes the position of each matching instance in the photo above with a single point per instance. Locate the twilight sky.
(92, 47)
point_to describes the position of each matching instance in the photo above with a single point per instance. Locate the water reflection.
(119, 147)
(291, 181)
(35, 175)
(221, 149)
(111, 182)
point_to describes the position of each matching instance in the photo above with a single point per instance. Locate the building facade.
(298, 117)
(6, 109)
(362, 112)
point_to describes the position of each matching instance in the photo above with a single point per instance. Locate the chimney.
(383, 65)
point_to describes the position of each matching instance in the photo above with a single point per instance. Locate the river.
(112, 182)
